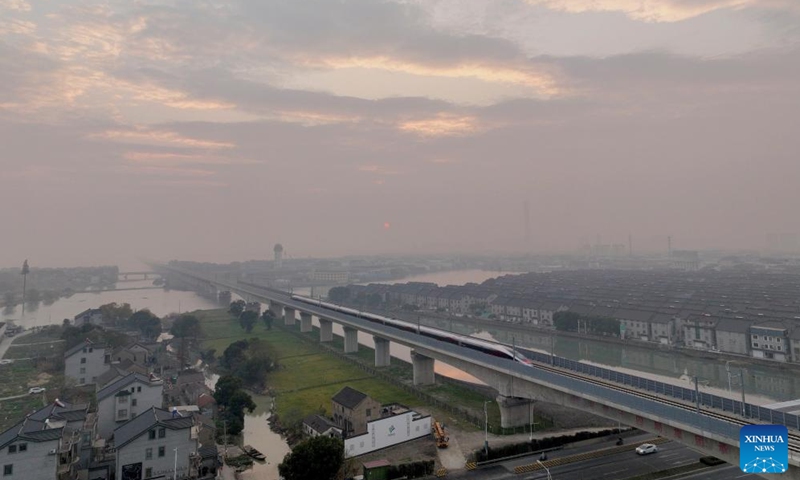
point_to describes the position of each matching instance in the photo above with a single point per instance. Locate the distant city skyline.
(208, 131)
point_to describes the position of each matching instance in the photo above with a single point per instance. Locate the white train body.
(473, 343)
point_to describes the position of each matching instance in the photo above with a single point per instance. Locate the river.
(762, 384)
(159, 301)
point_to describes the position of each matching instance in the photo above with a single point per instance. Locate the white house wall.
(150, 396)
(135, 452)
(94, 365)
(387, 432)
(36, 463)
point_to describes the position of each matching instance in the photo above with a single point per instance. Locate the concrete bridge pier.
(423, 369)
(514, 411)
(383, 357)
(325, 330)
(288, 316)
(305, 322)
(350, 340)
(276, 309)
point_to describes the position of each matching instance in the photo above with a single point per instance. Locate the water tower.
(278, 250)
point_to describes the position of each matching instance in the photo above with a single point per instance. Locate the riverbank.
(528, 328)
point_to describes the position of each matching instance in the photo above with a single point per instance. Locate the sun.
(387, 225)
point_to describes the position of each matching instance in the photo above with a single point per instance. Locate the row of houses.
(731, 328)
(60, 441)
(140, 426)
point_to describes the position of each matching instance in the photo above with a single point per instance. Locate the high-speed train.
(464, 340)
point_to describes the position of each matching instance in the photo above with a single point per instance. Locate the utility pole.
(175, 470)
(549, 477)
(25, 271)
(697, 393)
(741, 380)
(486, 428)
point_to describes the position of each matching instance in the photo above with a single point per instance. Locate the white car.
(35, 390)
(646, 448)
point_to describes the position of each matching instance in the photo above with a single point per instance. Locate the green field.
(309, 375)
(12, 411)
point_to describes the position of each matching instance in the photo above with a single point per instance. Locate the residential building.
(636, 323)
(317, 425)
(86, 361)
(119, 370)
(352, 410)
(733, 336)
(123, 399)
(77, 420)
(770, 340)
(157, 444)
(794, 343)
(663, 329)
(136, 353)
(37, 448)
(92, 316)
(699, 331)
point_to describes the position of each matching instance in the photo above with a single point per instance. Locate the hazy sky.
(210, 130)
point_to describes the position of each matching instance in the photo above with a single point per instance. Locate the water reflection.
(763, 384)
(159, 301)
(257, 433)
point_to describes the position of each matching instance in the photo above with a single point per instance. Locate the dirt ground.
(463, 443)
(41, 379)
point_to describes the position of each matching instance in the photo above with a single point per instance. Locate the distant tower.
(527, 224)
(278, 250)
(25, 271)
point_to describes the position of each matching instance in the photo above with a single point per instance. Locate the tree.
(319, 458)
(115, 314)
(234, 356)
(226, 386)
(339, 294)
(9, 299)
(247, 320)
(239, 402)
(147, 323)
(186, 329)
(566, 321)
(237, 308)
(268, 318)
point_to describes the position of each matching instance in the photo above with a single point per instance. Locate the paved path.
(13, 397)
(5, 342)
(452, 458)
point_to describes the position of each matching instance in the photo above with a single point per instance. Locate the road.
(611, 467)
(5, 342)
(722, 472)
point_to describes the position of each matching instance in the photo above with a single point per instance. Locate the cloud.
(171, 158)
(662, 10)
(159, 137)
(377, 169)
(15, 5)
(441, 125)
(544, 83)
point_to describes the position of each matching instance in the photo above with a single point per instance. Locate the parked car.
(646, 448)
(35, 390)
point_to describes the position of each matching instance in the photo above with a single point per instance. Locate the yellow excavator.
(439, 435)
